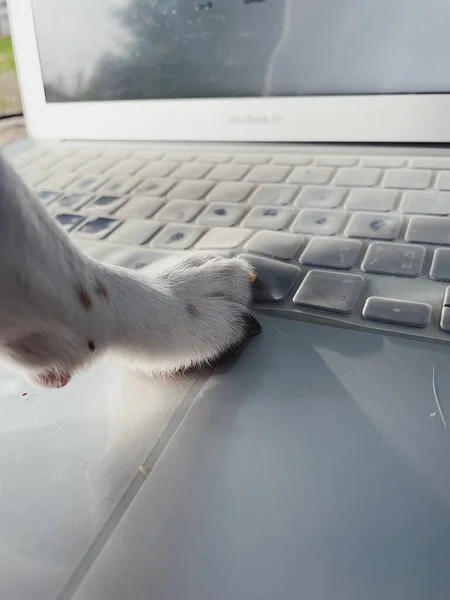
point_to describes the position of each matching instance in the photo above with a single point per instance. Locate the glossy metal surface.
(67, 457)
(315, 466)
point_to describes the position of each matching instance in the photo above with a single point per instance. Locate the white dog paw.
(209, 297)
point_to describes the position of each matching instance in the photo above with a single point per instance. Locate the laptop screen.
(146, 49)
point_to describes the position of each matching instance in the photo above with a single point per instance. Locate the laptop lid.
(235, 70)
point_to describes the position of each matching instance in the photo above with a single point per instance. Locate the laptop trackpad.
(315, 466)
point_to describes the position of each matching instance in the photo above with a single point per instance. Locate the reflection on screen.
(146, 49)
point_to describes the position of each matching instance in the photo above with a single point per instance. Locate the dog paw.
(209, 297)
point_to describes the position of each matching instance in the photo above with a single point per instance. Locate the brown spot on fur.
(193, 310)
(91, 345)
(101, 289)
(84, 299)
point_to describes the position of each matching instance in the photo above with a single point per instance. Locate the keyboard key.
(444, 323)
(195, 170)
(116, 154)
(133, 258)
(373, 226)
(155, 187)
(230, 191)
(440, 268)
(57, 181)
(320, 197)
(228, 172)
(447, 297)
(223, 238)
(32, 153)
(221, 214)
(268, 174)
(400, 312)
(190, 189)
(179, 211)
(402, 260)
(443, 181)
(335, 292)
(425, 203)
(383, 162)
(429, 230)
(68, 221)
(251, 159)
(63, 153)
(431, 162)
(29, 156)
(275, 195)
(357, 177)
(57, 153)
(159, 169)
(177, 237)
(19, 163)
(180, 157)
(274, 280)
(268, 217)
(104, 205)
(97, 166)
(407, 179)
(94, 249)
(87, 183)
(336, 161)
(135, 232)
(99, 250)
(331, 253)
(74, 152)
(292, 159)
(80, 154)
(126, 167)
(319, 222)
(147, 155)
(378, 200)
(33, 177)
(97, 228)
(139, 207)
(45, 163)
(214, 158)
(71, 164)
(71, 201)
(119, 185)
(47, 196)
(445, 314)
(313, 175)
(275, 244)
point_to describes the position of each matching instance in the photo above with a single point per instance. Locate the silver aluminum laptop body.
(311, 137)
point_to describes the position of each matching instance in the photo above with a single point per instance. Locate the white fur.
(54, 300)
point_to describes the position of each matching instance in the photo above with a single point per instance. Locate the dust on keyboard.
(360, 241)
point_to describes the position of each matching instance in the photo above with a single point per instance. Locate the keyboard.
(347, 238)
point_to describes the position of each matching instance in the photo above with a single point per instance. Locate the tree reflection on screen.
(179, 49)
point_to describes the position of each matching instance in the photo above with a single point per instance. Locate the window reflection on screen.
(145, 49)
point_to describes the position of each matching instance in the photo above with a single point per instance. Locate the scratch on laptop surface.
(436, 397)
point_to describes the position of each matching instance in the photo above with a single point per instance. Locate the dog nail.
(252, 326)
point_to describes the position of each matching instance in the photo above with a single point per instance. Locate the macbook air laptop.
(312, 137)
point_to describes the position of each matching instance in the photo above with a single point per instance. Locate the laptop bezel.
(363, 119)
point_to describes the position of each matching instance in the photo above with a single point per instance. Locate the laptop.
(311, 138)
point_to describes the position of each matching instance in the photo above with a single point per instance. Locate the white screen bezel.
(363, 119)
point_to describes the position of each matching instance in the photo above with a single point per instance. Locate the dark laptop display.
(146, 49)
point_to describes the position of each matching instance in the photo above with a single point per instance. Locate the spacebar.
(400, 312)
